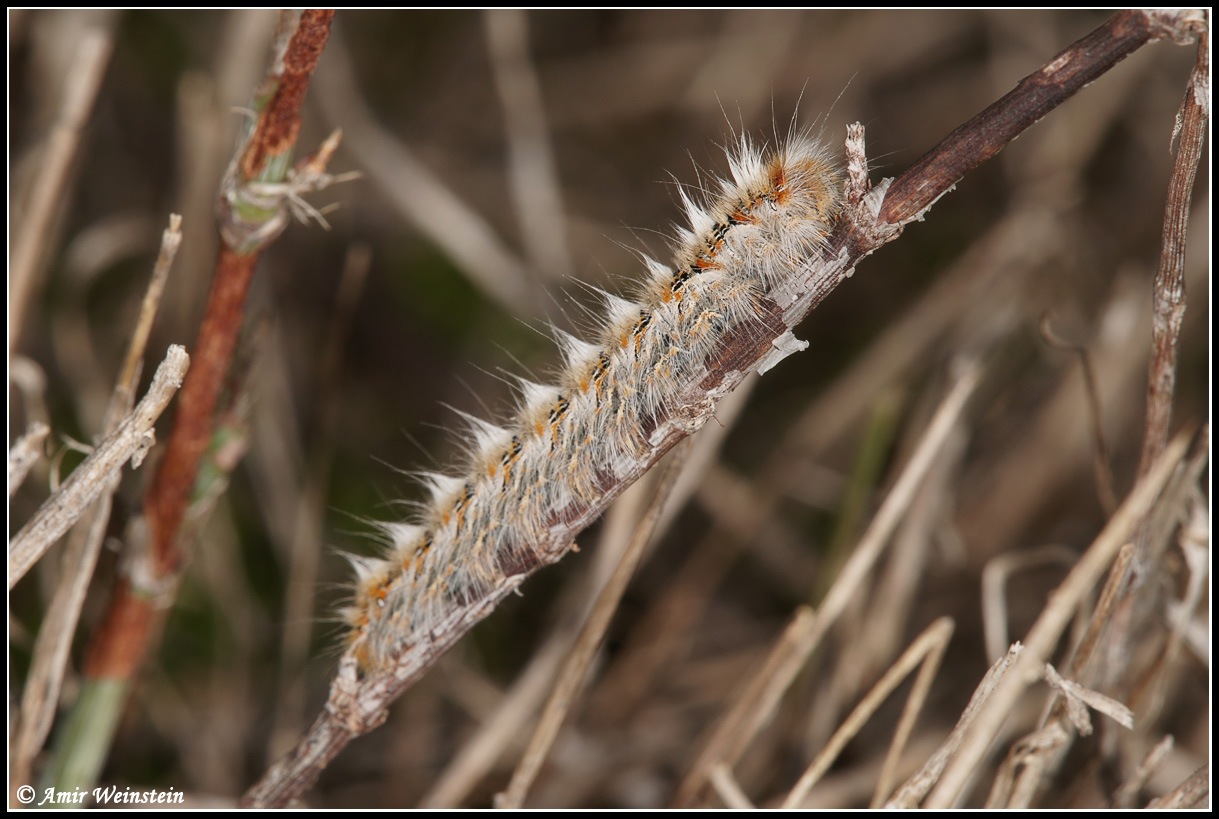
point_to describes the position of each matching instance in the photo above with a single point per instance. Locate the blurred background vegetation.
(1065, 221)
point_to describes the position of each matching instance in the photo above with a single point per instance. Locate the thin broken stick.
(129, 442)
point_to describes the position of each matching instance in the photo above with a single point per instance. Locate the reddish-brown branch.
(127, 629)
(1033, 97)
(280, 122)
(118, 645)
(169, 495)
(125, 632)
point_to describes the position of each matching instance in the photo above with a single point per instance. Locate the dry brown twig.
(520, 704)
(874, 218)
(130, 441)
(1195, 548)
(1168, 314)
(1129, 791)
(914, 789)
(24, 453)
(42, 686)
(505, 726)
(1189, 794)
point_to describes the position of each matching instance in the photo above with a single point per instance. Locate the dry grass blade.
(532, 168)
(934, 642)
(911, 793)
(171, 240)
(1101, 459)
(24, 453)
(129, 441)
(421, 196)
(1129, 790)
(729, 789)
(505, 726)
(306, 547)
(757, 700)
(994, 598)
(1079, 699)
(1191, 793)
(740, 724)
(33, 231)
(1049, 626)
(925, 653)
(593, 632)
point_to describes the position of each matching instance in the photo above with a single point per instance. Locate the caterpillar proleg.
(748, 236)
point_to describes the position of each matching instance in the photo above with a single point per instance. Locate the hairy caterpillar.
(570, 443)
